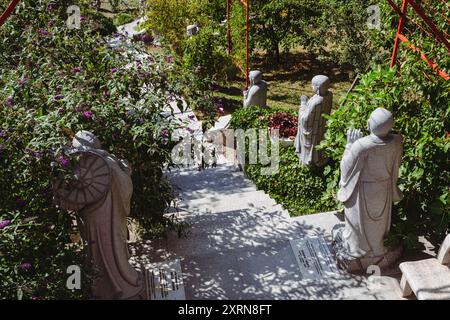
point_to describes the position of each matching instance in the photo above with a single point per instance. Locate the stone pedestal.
(362, 264)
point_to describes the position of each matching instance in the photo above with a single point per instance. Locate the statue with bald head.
(311, 123)
(256, 95)
(368, 186)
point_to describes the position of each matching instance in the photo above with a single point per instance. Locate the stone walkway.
(238, 246)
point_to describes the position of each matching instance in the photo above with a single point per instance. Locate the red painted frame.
(402, 38)
(8, 11)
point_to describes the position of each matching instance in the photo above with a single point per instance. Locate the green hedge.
(299, 189)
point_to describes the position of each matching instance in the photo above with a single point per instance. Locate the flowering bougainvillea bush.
(54, 82)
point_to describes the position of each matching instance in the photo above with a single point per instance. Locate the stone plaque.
(314, 258)
(164, 281)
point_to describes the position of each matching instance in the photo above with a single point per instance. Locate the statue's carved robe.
(368, 187)
(105, 230)
(257, 95)
(311, 129)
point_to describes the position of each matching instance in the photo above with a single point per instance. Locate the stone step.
(326, 220)
(232, 230)
(207, 183)
(240, 199)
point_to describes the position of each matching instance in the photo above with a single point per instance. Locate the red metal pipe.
(8, 11)
(430, 23)
(430, 62)
(396, 8)
(230, 45)
(247, 80)
(401, 24)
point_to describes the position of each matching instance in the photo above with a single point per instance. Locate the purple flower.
(60, 110)
(50, 7)
(164, 133)
(63, 161)
(37, 154)
(25, 266)
(2, 133)
(106, 94)
(191, 131)
(43, 32)
(21, 202)
(221, 110)
(113, 70)
(57, 97)
(169, 59)
(10, 101)
(76, 70)
(78, 109)
(4, 223)
(82, 18)
(87, 114)
(22, 81)
(170, 98)
(146, 38)
(191, 117)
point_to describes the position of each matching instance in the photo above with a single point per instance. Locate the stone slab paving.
(131, 29)
(238, 245)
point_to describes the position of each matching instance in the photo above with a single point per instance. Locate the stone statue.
(256, 95)
(367, 188)
(192, 30)
(311, 123)
(101, 194)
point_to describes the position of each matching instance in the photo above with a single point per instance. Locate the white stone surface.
(222, 123)
(131, 29)
(428, 279)
(239, 244)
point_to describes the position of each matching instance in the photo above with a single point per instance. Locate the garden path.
(238, 243)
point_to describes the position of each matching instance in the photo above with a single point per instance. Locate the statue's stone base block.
(361, 265)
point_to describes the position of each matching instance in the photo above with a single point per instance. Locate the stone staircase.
(238, 243)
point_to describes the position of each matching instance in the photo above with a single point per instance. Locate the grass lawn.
(288, 81)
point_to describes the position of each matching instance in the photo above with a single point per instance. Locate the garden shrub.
(251, 118)
(299, 189)
(206, 55)
(123, 18)
(169, 18)
(56, 81)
